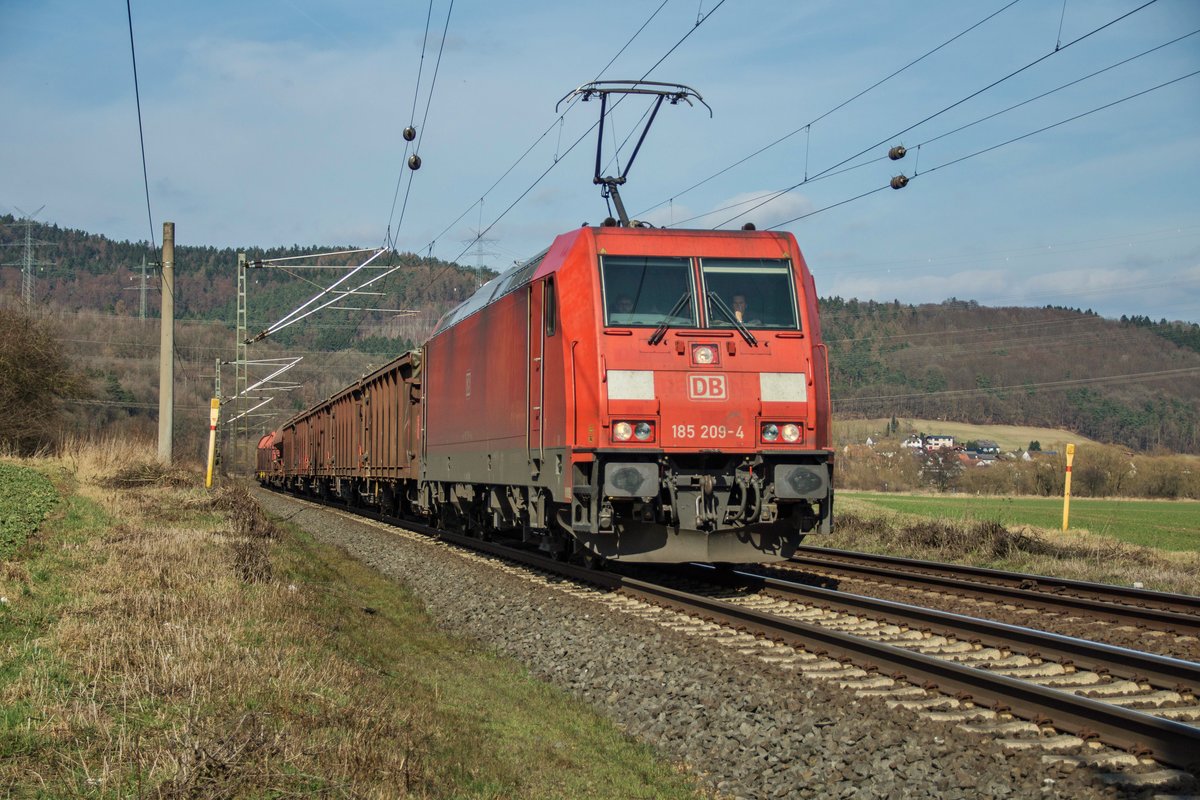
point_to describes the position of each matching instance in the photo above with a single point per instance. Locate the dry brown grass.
(172, 643)
(187, 671)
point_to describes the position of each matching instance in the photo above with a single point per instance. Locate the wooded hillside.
(1114, 381)
(1133, 382)
(80, 271)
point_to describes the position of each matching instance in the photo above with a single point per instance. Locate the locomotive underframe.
(709, 507)
(624, 505)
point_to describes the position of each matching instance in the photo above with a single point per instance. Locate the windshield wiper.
(661, 331)
(737, 323)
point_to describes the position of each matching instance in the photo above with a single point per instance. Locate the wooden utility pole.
(166, 348)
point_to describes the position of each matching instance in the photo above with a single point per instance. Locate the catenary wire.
(482, 233)
(137, 94)
(995, 146)
(611, 108)
(1059, 123)
(953, 105)
(424, 119)
(557, 121)
(573, 145)
(412, 116)
(389, 247)
(808, 125)
(776, 193)
(1121, 63)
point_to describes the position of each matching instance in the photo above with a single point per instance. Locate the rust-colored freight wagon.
(268, 456)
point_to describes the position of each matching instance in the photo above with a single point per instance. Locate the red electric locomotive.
(631, 393)
(651, 395)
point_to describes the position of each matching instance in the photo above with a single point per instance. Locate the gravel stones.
(748, 729)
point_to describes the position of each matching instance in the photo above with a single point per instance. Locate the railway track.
(1142, 608)
(1139, 702)
(997, 679)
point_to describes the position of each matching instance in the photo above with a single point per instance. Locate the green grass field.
(1164, 524)
(26, 497)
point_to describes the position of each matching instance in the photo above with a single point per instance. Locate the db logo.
(706, 387)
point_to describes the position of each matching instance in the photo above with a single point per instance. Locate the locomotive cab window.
(759, 293)
(648, 291)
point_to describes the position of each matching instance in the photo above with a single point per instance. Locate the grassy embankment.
(1162, 524)
(160, 641)
(1156, 543)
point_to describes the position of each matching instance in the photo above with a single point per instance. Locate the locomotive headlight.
(770, 432)
(790, 432)
(643, 431)
(622, 431)
(704, 354)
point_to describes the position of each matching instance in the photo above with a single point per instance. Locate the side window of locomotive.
(550, 307)
(761, 293)
(647, 291)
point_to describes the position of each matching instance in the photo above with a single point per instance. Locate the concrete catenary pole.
(166, 348)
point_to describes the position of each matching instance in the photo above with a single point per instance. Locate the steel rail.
(1028, 590)
(1168, 741)
(1148, 598)
(1160, 671)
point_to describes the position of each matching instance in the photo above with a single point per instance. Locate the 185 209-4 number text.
(687, 431)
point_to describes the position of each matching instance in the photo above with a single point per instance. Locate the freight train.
(631, 393)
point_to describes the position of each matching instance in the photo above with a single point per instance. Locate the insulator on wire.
(898, 152)
(410, 133)
(414, 162)
(900, 181)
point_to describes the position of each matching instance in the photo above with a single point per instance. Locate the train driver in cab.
(622, 309)
(741, 310)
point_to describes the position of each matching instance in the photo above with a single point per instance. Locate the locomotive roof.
(521, 274)
(507, 281)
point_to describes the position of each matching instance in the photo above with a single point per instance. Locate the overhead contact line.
(700, 21)
(901, 181)
(137, 94)
(808, 125)
(936, 114)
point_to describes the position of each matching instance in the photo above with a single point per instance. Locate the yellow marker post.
(1067, 486)
(212, 440)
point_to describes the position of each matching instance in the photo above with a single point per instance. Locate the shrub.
(34, 375)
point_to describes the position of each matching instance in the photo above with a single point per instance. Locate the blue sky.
(280, 122)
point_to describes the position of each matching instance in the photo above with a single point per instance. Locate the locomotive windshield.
(759, 292)
(644, 291)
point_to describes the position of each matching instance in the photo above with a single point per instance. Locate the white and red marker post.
(1067, 486)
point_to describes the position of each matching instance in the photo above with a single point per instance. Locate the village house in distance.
(981, 451)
